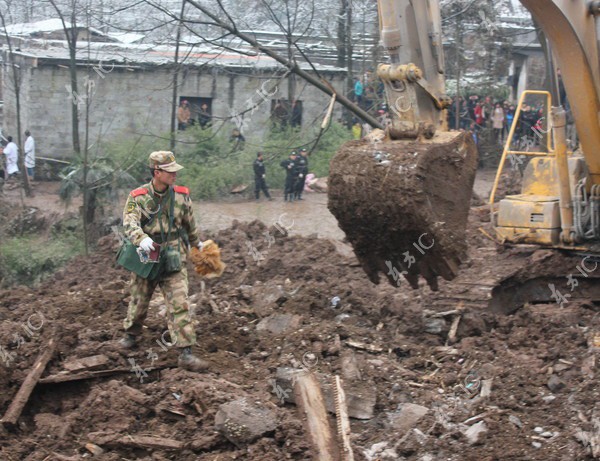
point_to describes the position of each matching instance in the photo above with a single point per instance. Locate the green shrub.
(280, 143)
(214, 164)
(28, 259)
(130, 154)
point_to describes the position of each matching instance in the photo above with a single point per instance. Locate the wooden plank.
(364, 346)
(309, 399)
(68, 377)
(142, 441)
(86, 363)
(453, 330)
(20, 400)
(112, 439)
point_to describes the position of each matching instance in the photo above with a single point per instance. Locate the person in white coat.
(29, 155)
(498, 117)
(11, 151)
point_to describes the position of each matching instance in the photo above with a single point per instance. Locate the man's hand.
(147, 245)
(264, 176)
(300, 175)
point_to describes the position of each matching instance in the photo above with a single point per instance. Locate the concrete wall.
(138, 101)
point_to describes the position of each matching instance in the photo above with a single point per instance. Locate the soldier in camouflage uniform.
(142, 222)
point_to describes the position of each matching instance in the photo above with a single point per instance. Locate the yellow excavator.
(403, 196)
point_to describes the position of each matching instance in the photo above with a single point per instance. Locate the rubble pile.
(423, 380)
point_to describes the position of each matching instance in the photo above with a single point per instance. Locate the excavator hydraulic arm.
(414, 79)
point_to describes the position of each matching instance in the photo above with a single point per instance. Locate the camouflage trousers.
(174, 288)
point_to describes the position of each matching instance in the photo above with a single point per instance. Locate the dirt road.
(309, 216)
(306, 217)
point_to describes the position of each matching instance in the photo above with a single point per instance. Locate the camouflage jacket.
(143, 203)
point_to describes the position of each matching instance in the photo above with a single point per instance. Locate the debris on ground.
(470, 389)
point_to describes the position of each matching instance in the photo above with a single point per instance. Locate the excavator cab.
(534, 216)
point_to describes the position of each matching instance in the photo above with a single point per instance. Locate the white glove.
(147, 245)
(300, 175)
(200, 245)
(264, 175)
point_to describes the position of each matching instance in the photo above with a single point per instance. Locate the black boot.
(190, 362)
(128, 341)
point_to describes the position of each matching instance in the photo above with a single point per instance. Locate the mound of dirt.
(427, 375)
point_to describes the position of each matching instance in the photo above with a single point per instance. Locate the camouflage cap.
(164, 160)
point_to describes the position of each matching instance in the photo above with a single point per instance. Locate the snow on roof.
(126, 37)
(45, 26)
(145, 54)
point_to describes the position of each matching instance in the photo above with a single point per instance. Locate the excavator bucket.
(404, 204)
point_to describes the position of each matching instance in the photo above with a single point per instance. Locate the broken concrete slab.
(279, 323)
(406, 417)
(360, 399)
(242, 422)
(246, 292)
(380, 452)
(267, 297)
(350, 369)
(475, 433)
(436, 326)
(471, 324)
(87, 363)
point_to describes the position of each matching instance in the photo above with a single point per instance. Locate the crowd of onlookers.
(476, 114)
(486, 118)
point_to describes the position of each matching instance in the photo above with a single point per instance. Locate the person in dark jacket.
(302, 171)
(259, 177)
(290, 166)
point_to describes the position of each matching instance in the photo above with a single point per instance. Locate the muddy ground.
(526, 381)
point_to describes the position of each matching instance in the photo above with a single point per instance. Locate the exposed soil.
(403, 353)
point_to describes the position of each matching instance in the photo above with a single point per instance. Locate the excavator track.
(502, 283)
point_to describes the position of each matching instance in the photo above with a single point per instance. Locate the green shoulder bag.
(130, 260)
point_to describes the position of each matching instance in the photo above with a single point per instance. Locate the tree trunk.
(177, 66)
(349, 55)
(342, 38)
(74, 90)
